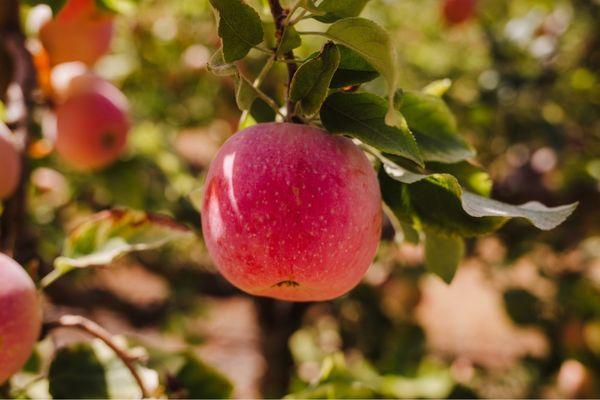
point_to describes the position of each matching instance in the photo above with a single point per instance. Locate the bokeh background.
(522, 316)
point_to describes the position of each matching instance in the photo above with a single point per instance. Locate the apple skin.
(291, 212)
(458, 11)
(20, 317)
(10, 164)
(80, 32)
(92, 127)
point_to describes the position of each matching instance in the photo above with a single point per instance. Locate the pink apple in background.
(72, 78)
(10, 164)
(458, 11)
(20, 317)
(92, 126)
(80, 32)
(291, 212)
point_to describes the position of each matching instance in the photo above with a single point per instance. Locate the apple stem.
(95, 330)
(280, 16)
(19, 100)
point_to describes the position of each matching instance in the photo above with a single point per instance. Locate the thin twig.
(95, 330)
(280, 16)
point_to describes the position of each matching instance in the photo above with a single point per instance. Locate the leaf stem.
(95, 330)
(263, 50)
(256, 85)
(302, 16)
(51, 277)
(314, 33)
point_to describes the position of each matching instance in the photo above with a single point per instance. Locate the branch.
(95, 330)
(19, 103)
(280, 17)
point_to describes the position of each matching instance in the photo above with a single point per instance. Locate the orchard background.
(521, 317)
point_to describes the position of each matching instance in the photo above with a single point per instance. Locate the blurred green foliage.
(526, 93)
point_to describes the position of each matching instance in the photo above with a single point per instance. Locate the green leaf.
(202, 381)
(437, 201)
(438, 88)
(92, 370)
(434, 127)
(240, 28)
(433, 203)
(375, 46)
(219, 67)
(336, 381)
(432, 380)
(77, 373)
(311, 82)
(539, 215)
(309, 5)
(337, 9)
(116, 6)
(245, 93)
(470, 177)
(289, 41)
(262, 112)
(362, 115)
(110, 234)
(353, 70)
(443, 254)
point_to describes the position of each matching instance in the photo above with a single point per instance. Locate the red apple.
(291, 212)
(80, 32)
(20, 317)
(458, 11)
(92, 127)
(10, 164)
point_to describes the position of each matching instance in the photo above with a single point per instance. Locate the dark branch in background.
(19, 103)
(95, 330)
(279, 16)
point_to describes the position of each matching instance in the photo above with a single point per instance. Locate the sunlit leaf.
(470, 176)
(434, 127)
(240, 28)
(333, 10)
(438, 88)
(113, 233)
(362, 115)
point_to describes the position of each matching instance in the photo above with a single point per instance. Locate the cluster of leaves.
(427, 179)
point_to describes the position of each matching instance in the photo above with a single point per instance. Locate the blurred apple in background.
(79, 32)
